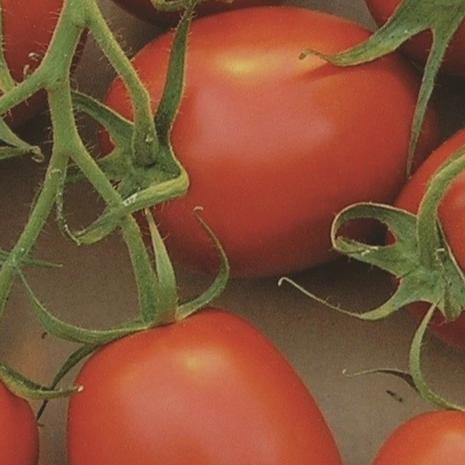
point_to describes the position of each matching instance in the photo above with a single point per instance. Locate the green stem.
(145, 139)
(37, 219)
(145, 277)
(429, 240)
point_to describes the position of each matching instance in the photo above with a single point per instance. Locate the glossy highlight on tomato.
(435, 438)
(209, 390)
(418, 47)
(19, 436)
(145, 10)
(452, 217)
(275, 145)
(27, 28)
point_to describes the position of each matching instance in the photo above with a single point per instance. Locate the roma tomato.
(19, 437)
(27, 28)
(145, 10)
(419, 47)
(275, 146)
(452, 217)
(209, 390)
(435, 438)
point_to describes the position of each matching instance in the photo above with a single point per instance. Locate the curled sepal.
(394, 372)
(72, 333)
(148, 185)
(27, 389)
(15, 146)
(442, 17)
(419, 380)
(153, 195)
(218, 285)
(76, 357)
(166, 277)
(438, 281)
(403, 295)
(119, 128)
(29, 261)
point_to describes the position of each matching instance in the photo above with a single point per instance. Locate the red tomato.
(452, 216)
(435, 438)
(27, 28)
(276, 146)
(209, 390)
(19, 436)
(419, 47)
(145, 10)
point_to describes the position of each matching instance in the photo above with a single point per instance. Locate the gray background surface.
(95, 288)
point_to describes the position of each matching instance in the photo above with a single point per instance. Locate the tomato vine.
(420, 258)
(152, 174)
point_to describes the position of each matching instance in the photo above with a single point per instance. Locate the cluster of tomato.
(274, 146)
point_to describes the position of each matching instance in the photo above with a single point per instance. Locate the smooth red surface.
(19, 437)
(276, 146)
(28, 27)
(210, 390)
(145, 10)
(419, 47)
(452, 216)
(436, 438)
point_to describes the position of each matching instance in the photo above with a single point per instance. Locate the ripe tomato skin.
(210, 390)
(452, 217)
(144, 9)
(27, 28)
(435, 438)
(276, 146)
(419, 46)
(19, 437)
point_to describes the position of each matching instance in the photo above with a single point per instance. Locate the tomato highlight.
(206, 390)
(275, 145)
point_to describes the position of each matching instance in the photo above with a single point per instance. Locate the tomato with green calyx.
(209, 389)
(435, 438)
(145, 10)
(419, 47)
(452, 217)
(27, 30)
(275, 145)
(19, 436)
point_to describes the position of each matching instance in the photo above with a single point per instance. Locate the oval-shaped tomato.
(275, 146)
(209, 390)
(145, 10)
(419, 46)
(27, 30)
(452, 217)
(19, 436)
(435, 438)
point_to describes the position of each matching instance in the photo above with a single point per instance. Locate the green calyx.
(419, 257)
(434, 278)
(441, 17)
(142, 171)
(26, 389)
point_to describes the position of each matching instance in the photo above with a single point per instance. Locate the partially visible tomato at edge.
(209, 390)
(27, 30)
(145, 10)
(452, 217)
(419, 46)
(434, 438)
(275, 146)
(19, 436)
